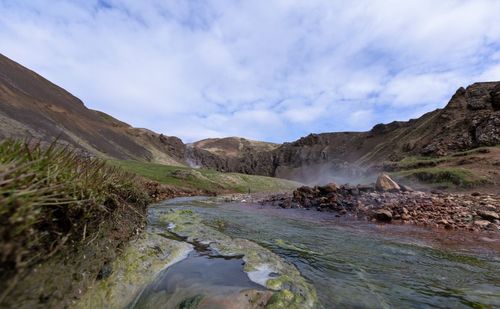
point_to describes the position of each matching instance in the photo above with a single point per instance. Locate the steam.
(321, 174)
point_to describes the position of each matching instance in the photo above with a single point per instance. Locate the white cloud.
(262, 69)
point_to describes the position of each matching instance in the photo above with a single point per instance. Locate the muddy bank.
(473, 212)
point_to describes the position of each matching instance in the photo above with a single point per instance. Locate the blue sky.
(270, 70)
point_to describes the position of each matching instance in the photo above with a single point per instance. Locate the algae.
(292, 290)
(136, 267)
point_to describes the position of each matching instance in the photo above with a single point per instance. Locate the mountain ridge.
(33, 107)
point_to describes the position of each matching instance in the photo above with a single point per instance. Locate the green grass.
(205, 179)
(418, 162)
(51, 197)
(447, 176)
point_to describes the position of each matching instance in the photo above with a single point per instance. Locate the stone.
(489, 215)
(385, 183)
(330, 188)
(482, 223)
(495, 97)
(383, 215)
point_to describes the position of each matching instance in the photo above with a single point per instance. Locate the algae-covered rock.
(291, 289)
(135, 268)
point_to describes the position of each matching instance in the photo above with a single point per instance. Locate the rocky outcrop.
(436, 209)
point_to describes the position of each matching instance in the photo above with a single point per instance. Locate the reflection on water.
(188, 281)
(357, 264)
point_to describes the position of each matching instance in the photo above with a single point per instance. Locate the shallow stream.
(359, 264)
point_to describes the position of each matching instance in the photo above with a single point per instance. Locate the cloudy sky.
(263, 69)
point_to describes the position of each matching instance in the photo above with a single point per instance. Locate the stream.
(352, 263)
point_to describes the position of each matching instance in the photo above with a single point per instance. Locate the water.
(194, 277)
(357, 264)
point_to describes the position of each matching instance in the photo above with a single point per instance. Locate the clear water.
(358, 264)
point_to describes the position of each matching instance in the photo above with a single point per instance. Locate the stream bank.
(179, 249)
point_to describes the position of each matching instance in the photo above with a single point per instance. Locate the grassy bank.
(204, 179)
(456, 171)
(54, 203)
(445, 177)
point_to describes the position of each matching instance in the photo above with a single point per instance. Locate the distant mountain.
(233, 147)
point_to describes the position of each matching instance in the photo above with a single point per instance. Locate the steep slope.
(33, 107)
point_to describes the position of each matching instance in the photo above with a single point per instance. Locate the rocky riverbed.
(386, 201)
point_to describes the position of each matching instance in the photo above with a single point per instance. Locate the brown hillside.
(33, 107)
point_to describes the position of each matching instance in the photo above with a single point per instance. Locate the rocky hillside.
(470, 120)
(33, 107)
(233, 147)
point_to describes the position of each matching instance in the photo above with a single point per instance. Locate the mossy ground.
(205, 179)
(55, 203)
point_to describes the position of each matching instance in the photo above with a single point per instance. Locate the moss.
(285, 299)
(136, 267)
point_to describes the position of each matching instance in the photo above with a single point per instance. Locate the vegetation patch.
(444, 176)
(205, 179)
(53, 199)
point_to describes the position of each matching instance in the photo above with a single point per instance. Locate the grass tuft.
(51, 197)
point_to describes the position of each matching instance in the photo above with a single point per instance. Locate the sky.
(272, 70)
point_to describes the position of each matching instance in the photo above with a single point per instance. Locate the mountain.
(471, 119)
(33, 107)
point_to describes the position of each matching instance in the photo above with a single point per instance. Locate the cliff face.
(33, 107)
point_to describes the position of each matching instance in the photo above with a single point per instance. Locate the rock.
(329, 188)
(487, 130)
(383, 215)
(385, 183)
(489, 215)
(482, 223)
(495, 97)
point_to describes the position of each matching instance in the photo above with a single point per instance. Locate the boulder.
(385, 183)
(489, 215)
(383, 215)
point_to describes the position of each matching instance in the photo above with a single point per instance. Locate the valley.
(105, 215)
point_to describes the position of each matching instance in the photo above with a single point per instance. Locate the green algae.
(135, 268)
(291, 289)
(286, 245)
